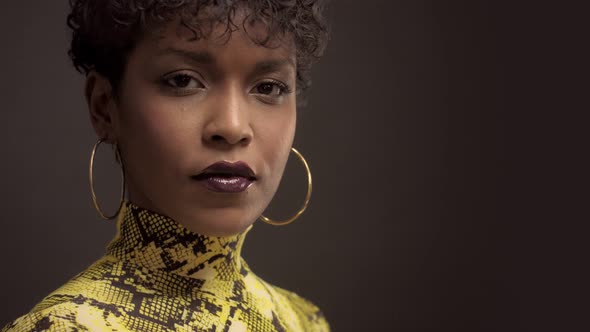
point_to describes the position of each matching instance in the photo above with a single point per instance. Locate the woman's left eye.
(271, 89)
(182, 82)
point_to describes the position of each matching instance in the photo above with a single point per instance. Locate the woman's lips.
(232, 184)
(226, 177)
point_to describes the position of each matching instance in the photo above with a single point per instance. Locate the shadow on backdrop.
(405, 130)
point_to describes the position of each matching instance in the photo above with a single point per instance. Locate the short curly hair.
(104, 32)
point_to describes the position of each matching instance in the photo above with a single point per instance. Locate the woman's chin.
(218, 222)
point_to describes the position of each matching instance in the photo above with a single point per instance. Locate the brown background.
(448, 150)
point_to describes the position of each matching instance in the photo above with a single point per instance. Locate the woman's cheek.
(276, 151)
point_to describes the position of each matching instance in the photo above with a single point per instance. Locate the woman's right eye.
(183, 82)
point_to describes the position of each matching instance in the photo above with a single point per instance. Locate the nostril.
(217, 138)
(228, 139)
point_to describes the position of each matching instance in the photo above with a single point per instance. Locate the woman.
(198, 99)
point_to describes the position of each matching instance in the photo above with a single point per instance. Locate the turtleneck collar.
(158, 242)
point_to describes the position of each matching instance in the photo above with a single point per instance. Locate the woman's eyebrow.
(198, 57)
(204, 57)
(274, 65)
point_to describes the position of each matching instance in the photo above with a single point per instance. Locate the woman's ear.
(102, 106)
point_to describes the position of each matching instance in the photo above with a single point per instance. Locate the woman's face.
(185, 105)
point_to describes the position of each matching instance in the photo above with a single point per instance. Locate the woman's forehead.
(215, 30)
(175, 35)
(235, 52)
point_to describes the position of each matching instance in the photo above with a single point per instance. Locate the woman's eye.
(268, 89)
(273, 89)
(183, 81)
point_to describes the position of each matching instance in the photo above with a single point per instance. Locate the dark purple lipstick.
(227, 177)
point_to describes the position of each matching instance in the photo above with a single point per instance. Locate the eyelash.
(284, 89)
(166, 81)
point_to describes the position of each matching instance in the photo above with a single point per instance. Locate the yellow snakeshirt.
(159, 276)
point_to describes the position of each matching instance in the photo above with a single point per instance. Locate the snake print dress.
(159, 276)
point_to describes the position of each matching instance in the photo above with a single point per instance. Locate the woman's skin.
(184, 105)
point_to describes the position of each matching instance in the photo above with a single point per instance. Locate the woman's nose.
(228, 123)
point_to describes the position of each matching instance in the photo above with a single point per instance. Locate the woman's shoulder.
(50, 319)
(64, 316)
(309, 309)
(71, 307)
(298, 301)
(296, 308)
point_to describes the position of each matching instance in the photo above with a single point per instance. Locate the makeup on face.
(226, 177)
(207, 127)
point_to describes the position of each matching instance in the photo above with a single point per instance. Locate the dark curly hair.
(104, 32)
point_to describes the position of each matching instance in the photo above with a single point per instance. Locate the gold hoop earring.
(305, 203)
(91, 176)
